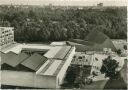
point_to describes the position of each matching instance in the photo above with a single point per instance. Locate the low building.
(80, 58)
(58, 43)
(35, 70)
(6, 36)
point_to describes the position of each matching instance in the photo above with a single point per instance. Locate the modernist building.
(6, 36)
(37, 66)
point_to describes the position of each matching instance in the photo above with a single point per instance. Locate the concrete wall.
(96, 66)
(45, 81)
(27, 79)
(61, 74)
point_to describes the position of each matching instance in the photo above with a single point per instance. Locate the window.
(86, 60)
(79, 57)
(96, 59)
(74, 57)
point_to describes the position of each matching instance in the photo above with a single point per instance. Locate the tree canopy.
(109, 67)
(33, 23)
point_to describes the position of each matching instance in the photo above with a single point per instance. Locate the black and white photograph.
(63, 44)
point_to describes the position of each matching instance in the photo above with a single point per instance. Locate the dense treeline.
(45, 24)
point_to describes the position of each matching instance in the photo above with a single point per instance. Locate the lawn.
(116, 84)
(119, 83)
(96, 85)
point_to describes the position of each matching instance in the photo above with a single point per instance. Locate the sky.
(66, 2)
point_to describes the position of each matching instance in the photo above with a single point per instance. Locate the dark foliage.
(37, 24)
(119, 52)
(109, 68)
(125, 47)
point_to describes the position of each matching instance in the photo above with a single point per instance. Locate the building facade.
(6, 36)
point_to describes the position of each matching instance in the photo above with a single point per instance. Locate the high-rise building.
(6, 36)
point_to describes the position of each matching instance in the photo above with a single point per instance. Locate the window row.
(5, 31)
(96, 67)
(2, 37)
(4, 43)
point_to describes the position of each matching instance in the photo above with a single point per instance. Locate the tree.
(125, 47)
(118, 51)
(59, 24)
(109, 67)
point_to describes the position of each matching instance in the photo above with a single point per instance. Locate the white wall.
(27, 79)
(96, 66)
(62, 72)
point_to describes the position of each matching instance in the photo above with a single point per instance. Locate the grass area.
(95, 40)
(96, 36)
(96, 85)
(116, 84)
(121, 82)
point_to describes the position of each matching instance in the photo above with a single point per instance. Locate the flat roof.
(36, 46)
(18, 47)
(62, 52)
(52, 52)
(53, 66)
(58, 43)
(50, 67)
(7, 27)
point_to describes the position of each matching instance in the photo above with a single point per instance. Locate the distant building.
(25, 66)
(6, 36)
(100, 4)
